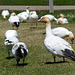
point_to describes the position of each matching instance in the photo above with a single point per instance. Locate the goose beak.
(72, 40)
(39, 20)
(58, 16)
(4, 18)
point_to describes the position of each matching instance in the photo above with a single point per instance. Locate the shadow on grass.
(11, 57)
(56, 62)
(44, 33)
(23, 64)
(33, 27)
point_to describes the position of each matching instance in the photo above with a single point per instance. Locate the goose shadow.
(44, 33)
(57, 62)
(23, 64)
(33, 27)
(24, 22)
(11, 57)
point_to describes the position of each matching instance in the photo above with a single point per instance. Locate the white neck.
(27, 11)
(48, 29)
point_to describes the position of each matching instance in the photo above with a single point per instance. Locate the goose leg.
(17, 28)
(63, 59)
(17, 61)
(31, 25)
(36, 25)
(23, 60)
(8, 53)
(13, 27)
(54, 58)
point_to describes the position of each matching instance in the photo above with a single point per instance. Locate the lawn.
(38, 61)
(36, 2)
(64, 2)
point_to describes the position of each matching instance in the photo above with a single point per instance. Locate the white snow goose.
(9, 42)
(5, 14)
(19, 51)
(23, 16)
(11, 33)
(33, 17)
(27, 10)
(14, 20)
(51, 17)
(63, 32)
(56, 45)
(61, 19)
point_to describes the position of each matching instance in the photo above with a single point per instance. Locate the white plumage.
(63, 32)
(14, 20)
(19, 50)
(56, 45)
(5, 13)
(61, 19)
(33, 17)
(51, 17)
(9, 42)
(24, 15)
(11, 33)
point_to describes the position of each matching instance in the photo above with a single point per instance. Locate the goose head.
(8, 42)
(44, 19)
(61, 16)
(71, 36)
(27, 7)
(13, 14)
(21, 50)
(17, 24)
(11, 41)
(4, 18)
(31, 13)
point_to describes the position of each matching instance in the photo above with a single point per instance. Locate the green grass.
(38, 56)
(64, 2)
(36, 2)
(24, 2)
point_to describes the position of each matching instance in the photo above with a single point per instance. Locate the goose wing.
(57, 45)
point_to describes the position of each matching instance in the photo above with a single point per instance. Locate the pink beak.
(39, 20)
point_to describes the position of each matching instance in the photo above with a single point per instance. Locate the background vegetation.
(36, 2)
(64, 2)
(39, 61)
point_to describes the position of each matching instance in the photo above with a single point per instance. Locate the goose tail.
(69, 54)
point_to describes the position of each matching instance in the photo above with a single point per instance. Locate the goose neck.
(48, 29)
(27, 11)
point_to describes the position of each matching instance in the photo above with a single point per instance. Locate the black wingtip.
(69, 54)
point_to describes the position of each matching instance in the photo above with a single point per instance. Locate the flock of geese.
(53, 42)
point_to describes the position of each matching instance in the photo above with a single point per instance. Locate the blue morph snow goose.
(19, 51)
(14, 20)
(63, 32)
(61, 19)
(11, 33)
(56, 45)
(5, 13)
(33, 17)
